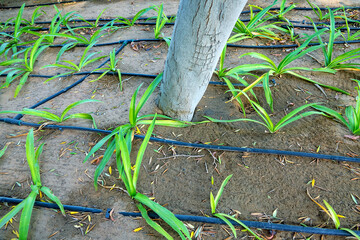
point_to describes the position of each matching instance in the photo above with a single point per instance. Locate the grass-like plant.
(316, 9)
(22, 67)
(2, 151)
(27, 204)
(38, 12)
(338, 62)
(130, 128)
(131, 22)
(349, 36)
(161, 20)
(111, 67)
(84, 60)
(280, 14)
(94, 24)
(214, 202)
(281, 68)
(352, 113)
(129, 175)
(63, 117)
(255, 27)
(266, 120)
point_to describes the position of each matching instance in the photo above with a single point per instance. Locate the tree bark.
(201, 30)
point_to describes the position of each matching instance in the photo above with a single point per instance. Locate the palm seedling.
(266, 120)
(111, 67)
(349, 36)
(36, 188)
(225, 217)
(281, 68)
(22, 67)
(15, 35)
(129, 175)
(84, 60)
(131, 22)
(352, 113)
(329, 210)
(223, 74)
(130, 128)
(63, 117)
(161, 20)
(255, 27)
(94, 24)
(338, 62)
(283, 10)
(35, 15)
(317, 10)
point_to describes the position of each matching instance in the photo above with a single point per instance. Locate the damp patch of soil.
(263, 187)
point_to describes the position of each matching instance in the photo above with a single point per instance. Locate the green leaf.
(30, 156)
(12, 213)
(218, 195)
(25, 218)
(219, 215)
(141, 152)
(106, 158)
(212, 203)
(165, 215)
(2, 151)
(72, 105)
(332, 113)
(153, 224)
(148, 93)
(351, 232)
(22, 81)
(53, 198)
(333, 214)
(132, 110)
(241, 224)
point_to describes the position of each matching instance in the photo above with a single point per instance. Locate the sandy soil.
(261, 184)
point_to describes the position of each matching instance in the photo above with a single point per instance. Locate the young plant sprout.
(338, 62)
(111, 67)
(27, 205)
(255, 28)
(352, 113)
(22, 67)
(2, 151)
(130, 128)
(52, 117)
(84, 60)
(266, 120)
(214, 202)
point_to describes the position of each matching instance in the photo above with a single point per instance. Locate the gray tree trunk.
(201, 30)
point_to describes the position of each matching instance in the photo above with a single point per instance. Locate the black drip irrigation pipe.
(300, 9)
(19, 116)
(252, 224)
(43, 4)
(288, 46)
(193, 145)
(52, 205)
(192, 218)
(134, 75)
(319, 27)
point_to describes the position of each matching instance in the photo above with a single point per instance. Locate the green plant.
(161, 20)
(318, 11)
(255, 28)
(352, 113)
(349, 37)
(84, 60)
(281, 68)
(266, 120)
(27, 205)
(130, 178)
(131, 22)
(130, 128)
(55, 118)
(2, 151)
(223, 74)
(96, 23)
(336, 63)
(22, 67)
(214, 202)
(111, 67)
(35, 15)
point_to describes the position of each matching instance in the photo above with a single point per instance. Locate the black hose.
(52, 205)
(19, 116)
(128, 74)
(193, 145)
(300, 9)
(252, 224)
(43, 4)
